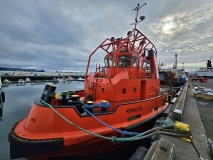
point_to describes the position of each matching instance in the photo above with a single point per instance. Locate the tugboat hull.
(35, 137)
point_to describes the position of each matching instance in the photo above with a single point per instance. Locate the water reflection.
(1, 111)
(2, 100)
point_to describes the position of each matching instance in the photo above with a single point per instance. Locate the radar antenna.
(136, 17)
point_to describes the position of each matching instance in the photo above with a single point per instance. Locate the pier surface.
(197, 113)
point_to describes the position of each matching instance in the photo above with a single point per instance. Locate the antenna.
(136, 17)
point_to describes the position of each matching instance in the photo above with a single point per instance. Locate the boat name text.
(134, 109)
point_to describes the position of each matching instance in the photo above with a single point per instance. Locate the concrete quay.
(197, 113)
(34, 79)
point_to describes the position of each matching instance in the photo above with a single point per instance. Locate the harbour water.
(19, 99)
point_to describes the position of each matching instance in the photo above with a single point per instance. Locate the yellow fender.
(182, 126)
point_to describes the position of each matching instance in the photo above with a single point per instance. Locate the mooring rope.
(115, 129)
(73, 124)
(114, 139)
(169, 124)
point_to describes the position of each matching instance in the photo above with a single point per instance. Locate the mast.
(136, 17)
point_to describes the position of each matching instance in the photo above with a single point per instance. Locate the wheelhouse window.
(146, 65)
(124, 60)
(105, 62)
(109, 60)
(115, 63)
(135, 61)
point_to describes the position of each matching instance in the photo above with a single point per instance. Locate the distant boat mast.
(175, 65)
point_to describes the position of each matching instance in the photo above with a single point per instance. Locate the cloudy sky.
(60, 35)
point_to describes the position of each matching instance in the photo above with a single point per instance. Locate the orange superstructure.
(124, 94)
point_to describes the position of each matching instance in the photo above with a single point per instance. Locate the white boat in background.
(63, 80)
(27, 79)
(69, 79)
(206, 71)
(55, 80)
(59, 79)
(182, 77)
(21, 81)
(7, 81)
(80, 79)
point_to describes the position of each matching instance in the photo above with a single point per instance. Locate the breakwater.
(15, 76)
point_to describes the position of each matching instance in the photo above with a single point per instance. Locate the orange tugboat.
(118, 98)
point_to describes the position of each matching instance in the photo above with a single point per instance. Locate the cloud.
(60, 35)
(187, 34)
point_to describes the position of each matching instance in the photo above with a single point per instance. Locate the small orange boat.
(124, 95)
